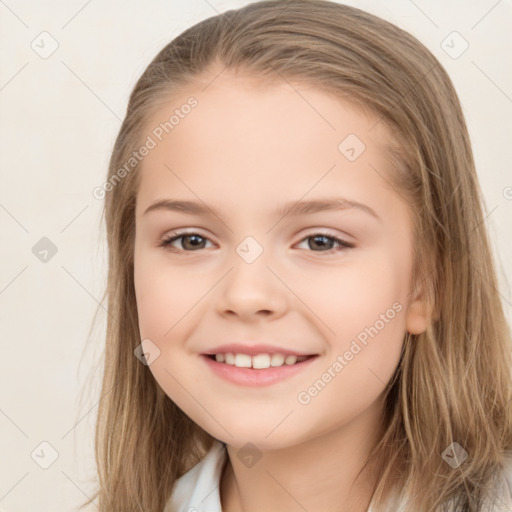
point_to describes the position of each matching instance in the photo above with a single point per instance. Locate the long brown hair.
(453, 383)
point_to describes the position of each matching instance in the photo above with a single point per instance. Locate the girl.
(304, 307)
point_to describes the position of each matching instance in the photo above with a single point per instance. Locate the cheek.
(164, 295)
(361, 308)
(165, 298)
(363, 319)
(354, 295)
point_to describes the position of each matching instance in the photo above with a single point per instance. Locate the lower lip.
(257, 377)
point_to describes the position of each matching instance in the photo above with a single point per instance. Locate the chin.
(261, 436)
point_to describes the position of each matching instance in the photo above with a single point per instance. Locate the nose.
(251, 291)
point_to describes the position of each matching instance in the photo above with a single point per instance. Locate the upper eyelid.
(177, 233)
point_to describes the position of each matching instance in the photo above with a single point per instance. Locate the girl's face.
(245, 271)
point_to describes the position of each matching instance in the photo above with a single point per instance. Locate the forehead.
(245, 136)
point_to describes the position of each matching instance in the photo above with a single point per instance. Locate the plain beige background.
(63, 95)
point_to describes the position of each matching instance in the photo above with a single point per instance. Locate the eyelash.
(166, 242)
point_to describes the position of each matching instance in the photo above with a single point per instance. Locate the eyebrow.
(294, 208)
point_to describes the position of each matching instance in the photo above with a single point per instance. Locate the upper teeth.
(258, 361)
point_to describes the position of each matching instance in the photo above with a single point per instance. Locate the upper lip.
(255, 349)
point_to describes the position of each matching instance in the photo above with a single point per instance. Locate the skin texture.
(246, 149)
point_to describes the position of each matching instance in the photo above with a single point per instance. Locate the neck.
(316, 475)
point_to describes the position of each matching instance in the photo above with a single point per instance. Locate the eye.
(191, 242)
(325, 242)
(194, 242)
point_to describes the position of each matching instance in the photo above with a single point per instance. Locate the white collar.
(198, 489)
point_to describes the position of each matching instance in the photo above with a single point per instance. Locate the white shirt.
(198, 489)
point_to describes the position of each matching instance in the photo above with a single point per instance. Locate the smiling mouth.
(259, 361)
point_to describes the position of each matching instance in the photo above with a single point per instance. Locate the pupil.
(192, 237)
(320, 237)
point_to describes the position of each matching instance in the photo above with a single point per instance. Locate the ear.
(419, 313)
